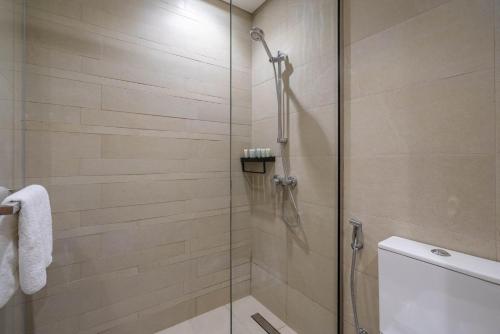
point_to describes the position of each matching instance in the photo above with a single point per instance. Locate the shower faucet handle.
(290, 181)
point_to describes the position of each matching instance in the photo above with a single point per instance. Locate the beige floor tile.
(244, 308)
(217, 320)
(287, 330)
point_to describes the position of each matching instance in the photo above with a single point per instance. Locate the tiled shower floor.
(217, 321)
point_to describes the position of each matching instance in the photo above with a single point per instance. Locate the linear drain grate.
(264, 324)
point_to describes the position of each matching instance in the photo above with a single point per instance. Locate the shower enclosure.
(285, 94)
(134, 116)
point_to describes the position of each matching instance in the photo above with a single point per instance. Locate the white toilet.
(427, 290)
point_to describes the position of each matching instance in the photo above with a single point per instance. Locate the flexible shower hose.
(290, 193)
(359, 330)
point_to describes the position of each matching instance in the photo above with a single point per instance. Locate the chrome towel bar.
(9, 209)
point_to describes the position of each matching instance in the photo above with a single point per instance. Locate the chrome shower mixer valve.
(290, 181)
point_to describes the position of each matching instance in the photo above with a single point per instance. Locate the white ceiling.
(248, 5)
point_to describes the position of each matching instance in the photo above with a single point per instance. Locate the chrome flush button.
(440, 252)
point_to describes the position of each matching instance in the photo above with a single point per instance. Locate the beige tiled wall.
(127, 118)
(421, 133)
(294, 270)
(10, 94)
(11, 143)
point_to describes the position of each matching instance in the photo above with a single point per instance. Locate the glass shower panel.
(284, 207)
(127, 126)
(11, 139)
(241, 118)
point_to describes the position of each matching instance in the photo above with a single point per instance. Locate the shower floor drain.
(264, 324)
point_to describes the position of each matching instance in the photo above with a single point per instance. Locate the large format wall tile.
(458, 35)
(497, 106)
(451, 115)
(12, 171)
(65, 92)
(364, 19)
(421, 130)
(127, 119)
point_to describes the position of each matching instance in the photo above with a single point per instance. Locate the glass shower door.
(11, 144)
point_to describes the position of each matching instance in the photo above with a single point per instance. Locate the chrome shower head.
(257, 34)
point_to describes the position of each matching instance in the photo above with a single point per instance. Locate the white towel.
(35, 237)
(9, 281)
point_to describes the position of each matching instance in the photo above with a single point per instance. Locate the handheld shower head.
(257, 35)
